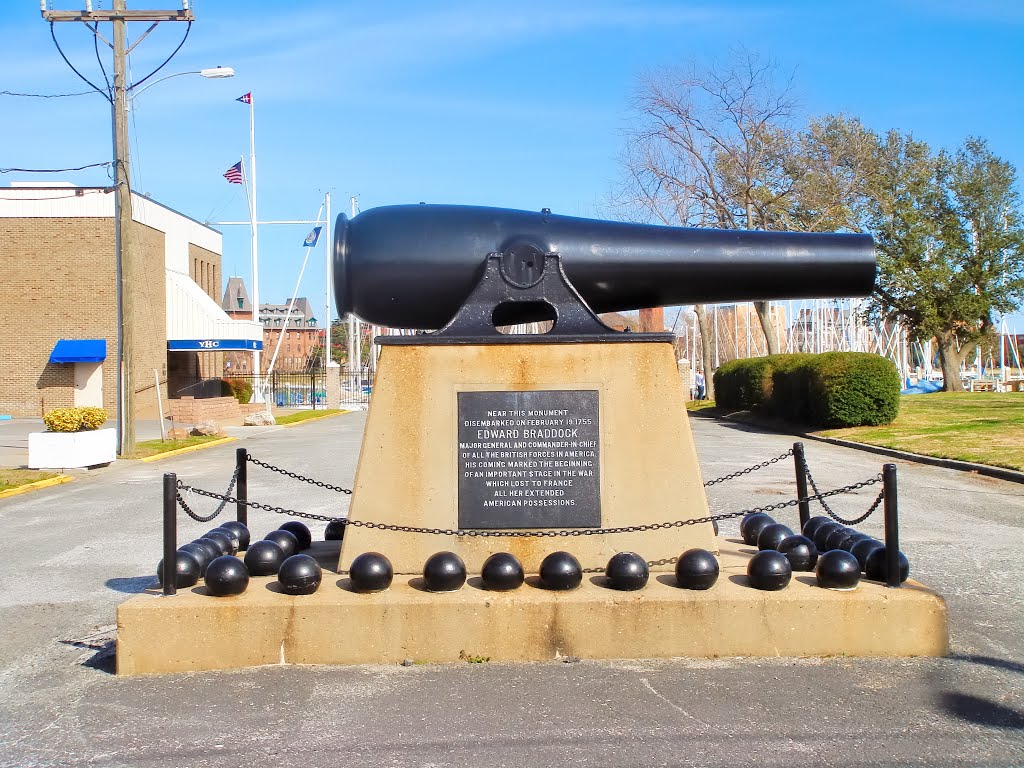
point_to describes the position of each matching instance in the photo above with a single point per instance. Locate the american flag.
(246, 99)
(234, 173)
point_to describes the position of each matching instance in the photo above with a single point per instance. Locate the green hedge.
(833, 389)
(853, 389)
(240, 389)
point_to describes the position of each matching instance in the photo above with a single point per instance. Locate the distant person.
(699, 381)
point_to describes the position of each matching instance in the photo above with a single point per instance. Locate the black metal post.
(892, 526)
(170, 574)
(800, 463)
(242, 486)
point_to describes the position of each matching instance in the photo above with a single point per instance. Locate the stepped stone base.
(194, 631)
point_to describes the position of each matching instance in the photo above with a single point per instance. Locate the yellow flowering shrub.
(74, 419)
(63, 420)
(92, 417)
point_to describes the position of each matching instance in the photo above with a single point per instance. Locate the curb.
(189, 449)
(315, 418)
(1000, 473)
(36, 485)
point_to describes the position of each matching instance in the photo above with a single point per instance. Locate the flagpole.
(327, 290)
(254, 232)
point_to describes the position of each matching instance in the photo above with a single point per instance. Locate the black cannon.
(413, 266)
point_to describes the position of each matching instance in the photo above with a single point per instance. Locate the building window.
(240, 301)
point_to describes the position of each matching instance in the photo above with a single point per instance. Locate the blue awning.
(79, 351)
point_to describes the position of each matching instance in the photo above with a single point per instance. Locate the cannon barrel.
(412, 266)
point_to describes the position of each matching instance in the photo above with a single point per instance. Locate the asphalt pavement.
(71, 553)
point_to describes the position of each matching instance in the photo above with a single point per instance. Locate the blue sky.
(509, 104)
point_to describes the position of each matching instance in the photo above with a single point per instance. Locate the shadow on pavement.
(130, 585)
(981, 711)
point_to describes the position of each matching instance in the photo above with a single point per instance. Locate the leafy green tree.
(950, 243)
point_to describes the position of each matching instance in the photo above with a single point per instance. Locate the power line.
(87, 81)
(45, 95)
(55, 170)
(165, 62)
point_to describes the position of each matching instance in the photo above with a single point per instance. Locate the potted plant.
(73, 439)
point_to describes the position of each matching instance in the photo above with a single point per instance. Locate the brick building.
(58, 260)
(301, 337)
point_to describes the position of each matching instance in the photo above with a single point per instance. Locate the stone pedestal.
(411, 461)
(333, 386)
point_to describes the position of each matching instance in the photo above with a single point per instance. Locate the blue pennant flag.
(312, 237)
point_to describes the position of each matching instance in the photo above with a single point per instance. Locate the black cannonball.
(299, 575)
(231, 533)
(264, 558)
(301, 533)
(335, 530)
(211, 548)
(242, 531)
(371, 572)
(751, 526)
(502, 572)
(813, 525)
(286, 540)
(823, 532)
(201, 553)
(227, 575)
(800, 551)
(186, 570)
(627, 571)
(444, 572)
(769, 570)
(560, 571)
(224, 542)
(837, 569)
(773, 535)
(696, 569)
(846, 542)
(835, 537)
(876, 567)
(863, 548)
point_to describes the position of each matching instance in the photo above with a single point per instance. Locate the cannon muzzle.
(412, 266)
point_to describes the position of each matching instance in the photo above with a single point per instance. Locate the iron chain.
(833, 515)
(533, 534)
(748, 470)
(295, 476)
(220, 507)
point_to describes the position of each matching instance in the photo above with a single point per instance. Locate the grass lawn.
(981, 427)
(298, 416)
(12, 478)
(153, 447)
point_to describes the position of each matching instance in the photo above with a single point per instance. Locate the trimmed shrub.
(240, 389)
(63, 420)
(74, 419)
(852, 389)
(744, 383)
(92, 417)
(790, 386)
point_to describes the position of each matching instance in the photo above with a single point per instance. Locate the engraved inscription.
(529, 459)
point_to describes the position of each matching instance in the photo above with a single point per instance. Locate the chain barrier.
(831, 513)
(530, 534)
(295, 476)
(748, 470)
(225, 497)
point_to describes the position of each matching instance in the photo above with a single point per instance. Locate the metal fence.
(290, 389)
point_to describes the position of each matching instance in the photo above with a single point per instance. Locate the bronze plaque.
(529, 459)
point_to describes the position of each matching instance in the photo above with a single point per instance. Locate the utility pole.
(128, 269)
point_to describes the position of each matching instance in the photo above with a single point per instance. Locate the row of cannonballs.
(844, 553)
(212, 558)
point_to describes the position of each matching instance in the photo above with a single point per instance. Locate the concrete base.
(408, 469)
(194, 631)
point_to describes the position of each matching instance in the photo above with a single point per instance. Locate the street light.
(128, 269)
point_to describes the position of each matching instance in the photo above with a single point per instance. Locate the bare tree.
(713, 147)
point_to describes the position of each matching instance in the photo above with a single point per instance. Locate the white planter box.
(52, 450)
